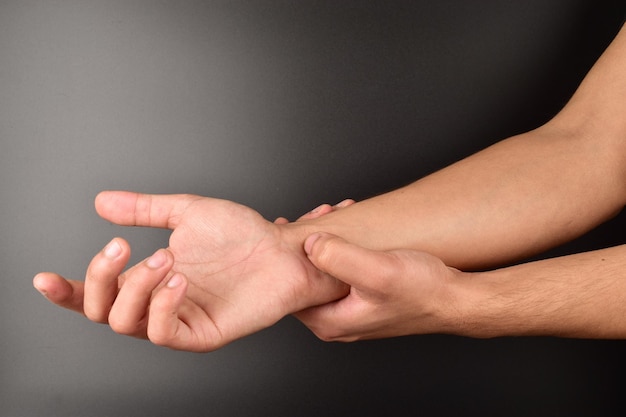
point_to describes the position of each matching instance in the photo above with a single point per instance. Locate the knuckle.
(96, 272)
(159, 337)
(95, 315)
(328, 332)
(136, 284)
(325, 335)
(390, 268)
(122, 326)
(326, 253)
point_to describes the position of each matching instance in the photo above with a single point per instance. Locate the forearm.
(582, 295)
(516, 198)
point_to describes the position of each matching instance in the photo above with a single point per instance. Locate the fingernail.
(38, 287)
(157, 260)
(175, 281)
(343, 203)
(309, 242)
(113, 249)
(317, 209)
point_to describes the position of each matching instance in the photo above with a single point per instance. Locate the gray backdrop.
(280, 105)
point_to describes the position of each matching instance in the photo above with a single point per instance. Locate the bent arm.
(519, 197)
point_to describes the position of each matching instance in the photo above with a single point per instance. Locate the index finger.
(136, 209)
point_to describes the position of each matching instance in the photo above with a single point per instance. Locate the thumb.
(136, 209)
(345, 261)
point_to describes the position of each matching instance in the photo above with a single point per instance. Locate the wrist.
(472, 308)
(494, 304)
(315, 287)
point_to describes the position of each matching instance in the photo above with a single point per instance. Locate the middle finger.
(129, 311)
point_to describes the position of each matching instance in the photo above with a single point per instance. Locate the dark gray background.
(280, 105)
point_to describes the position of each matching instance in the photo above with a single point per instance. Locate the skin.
(392, 293)
(226, 273)
(404, 292)
(518, 197)
(390, 265)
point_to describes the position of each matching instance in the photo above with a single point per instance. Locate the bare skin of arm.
(405, 292)
(519, 197)
(228, 272)
(516, 198)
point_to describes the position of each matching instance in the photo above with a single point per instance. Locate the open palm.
(241, 274)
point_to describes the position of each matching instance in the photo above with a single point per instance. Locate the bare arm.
(581, 295)
(404, 292)
(516, 198)
(237, 273)
(513, 199)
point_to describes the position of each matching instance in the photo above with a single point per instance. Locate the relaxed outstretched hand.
(226, 273)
